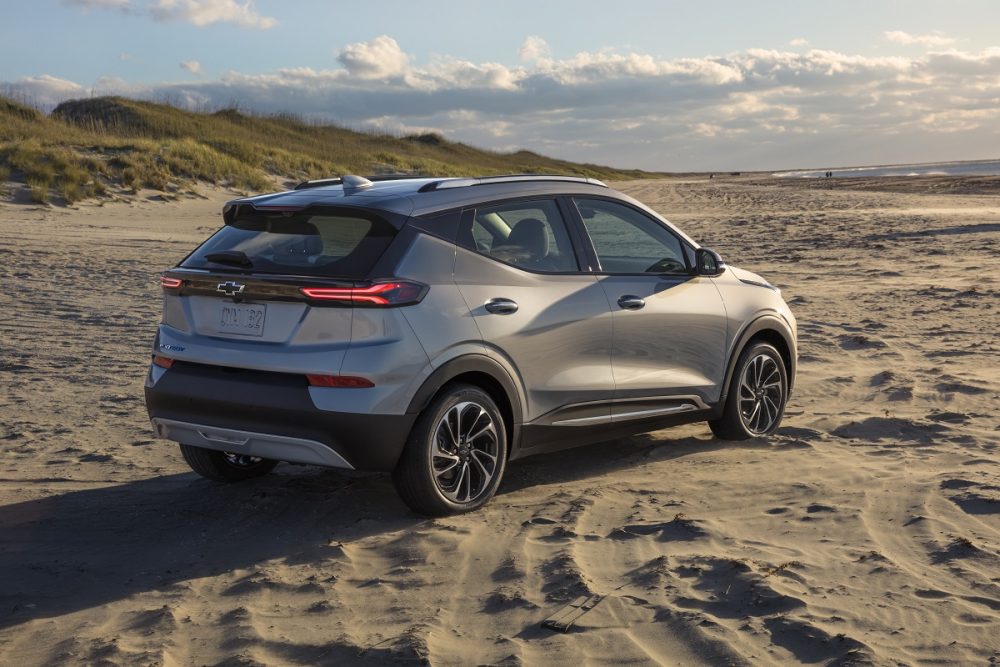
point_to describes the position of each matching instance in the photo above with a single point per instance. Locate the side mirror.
(707, 262)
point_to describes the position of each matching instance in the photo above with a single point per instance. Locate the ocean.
(972, 168)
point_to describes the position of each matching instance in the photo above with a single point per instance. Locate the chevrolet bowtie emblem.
(231, 288)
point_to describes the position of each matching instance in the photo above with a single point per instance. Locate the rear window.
(341, 245)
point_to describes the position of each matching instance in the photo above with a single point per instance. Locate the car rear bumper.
(270, 415)
(264, 445)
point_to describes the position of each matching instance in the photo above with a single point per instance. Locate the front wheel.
(456, 454)
(757, 395)
(225, 466)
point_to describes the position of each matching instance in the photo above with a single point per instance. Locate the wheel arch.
(768, 329)
(485, 373)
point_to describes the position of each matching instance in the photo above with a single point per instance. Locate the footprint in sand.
(949, 417)
(505, 598)
(679, 528)
(930, 594)
(860, 342)
(959, 387)
(817, 508)
(895, 428)
(972, 497)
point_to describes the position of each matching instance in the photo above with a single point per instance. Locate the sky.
(671, 86)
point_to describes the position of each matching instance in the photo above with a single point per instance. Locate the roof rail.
(396, 176)
(448, 183)
(339, 180)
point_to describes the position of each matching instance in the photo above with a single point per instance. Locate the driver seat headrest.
(531, 235)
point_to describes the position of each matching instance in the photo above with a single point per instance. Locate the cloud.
(99, 4)
(799, 41)
(206, 12)
(380, 58)
(192, 66)
(200, 13)
(933, 39)
(43, 91)
(761, 108)
(534, 48)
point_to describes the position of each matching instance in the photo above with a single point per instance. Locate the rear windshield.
(341, 245)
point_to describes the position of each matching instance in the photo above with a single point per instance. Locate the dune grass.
(85, 148)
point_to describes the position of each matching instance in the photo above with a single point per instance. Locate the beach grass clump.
(189, 159)
(9, 107)
(38, 190)
(44, 168)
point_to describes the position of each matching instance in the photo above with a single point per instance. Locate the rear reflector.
(394, 293)
(162, 362)
(341, 381)
(166, 282)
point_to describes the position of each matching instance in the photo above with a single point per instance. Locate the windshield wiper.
(235, 257)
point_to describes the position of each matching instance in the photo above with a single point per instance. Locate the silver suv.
(438, 328)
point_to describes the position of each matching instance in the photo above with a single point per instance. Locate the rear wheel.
(456, 454)
(225, 466)
(757, 395)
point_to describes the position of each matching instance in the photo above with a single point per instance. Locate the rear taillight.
(166, 282)
(392, 293)
(162, 362)
(341, 381)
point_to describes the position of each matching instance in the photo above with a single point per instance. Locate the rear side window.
(528, 234)
(316, 243)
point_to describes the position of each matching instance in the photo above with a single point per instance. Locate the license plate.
(242, 318)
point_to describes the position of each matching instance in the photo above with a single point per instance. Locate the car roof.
(420, 196)
(409, 196)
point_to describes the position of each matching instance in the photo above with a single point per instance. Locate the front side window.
(627, 241)
(329, 244)
(530, 235)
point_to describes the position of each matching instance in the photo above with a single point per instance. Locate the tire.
(443, 470)
(757, 395)
(224, 467)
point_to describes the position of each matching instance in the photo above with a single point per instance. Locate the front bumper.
(270, 415)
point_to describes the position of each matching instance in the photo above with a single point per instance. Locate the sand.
(866, 532)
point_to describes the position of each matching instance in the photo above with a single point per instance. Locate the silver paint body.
(575, 356)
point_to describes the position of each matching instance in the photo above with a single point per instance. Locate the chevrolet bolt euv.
(439, 328)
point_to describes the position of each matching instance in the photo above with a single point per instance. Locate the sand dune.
(867, 532)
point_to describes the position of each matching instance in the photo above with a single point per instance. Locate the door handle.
(501, 306)
(631, 302)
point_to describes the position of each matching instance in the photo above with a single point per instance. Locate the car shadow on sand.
(85, 548)
(602, 458)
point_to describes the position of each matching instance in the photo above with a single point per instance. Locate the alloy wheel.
(464, 452)
(761, 394)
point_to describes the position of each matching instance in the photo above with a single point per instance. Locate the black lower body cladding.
(275, 404)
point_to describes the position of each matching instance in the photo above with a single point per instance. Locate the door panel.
(669, 326)
(558, 339)
(674, 344)
(518, 273)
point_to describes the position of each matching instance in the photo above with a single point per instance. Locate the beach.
(867, 531)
